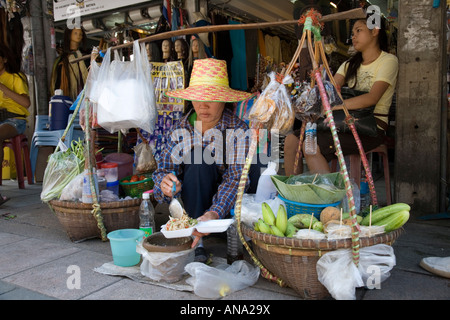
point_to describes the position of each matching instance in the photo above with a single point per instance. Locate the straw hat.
(209, 82)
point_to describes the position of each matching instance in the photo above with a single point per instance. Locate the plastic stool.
(17, 144)
(355, 168)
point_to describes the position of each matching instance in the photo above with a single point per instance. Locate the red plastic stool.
(17, 144)
(355, 168)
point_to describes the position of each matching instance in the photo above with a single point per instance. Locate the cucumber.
(394, 221)
(385, 212)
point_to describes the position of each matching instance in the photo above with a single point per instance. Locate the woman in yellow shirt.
(14, 101)
(371, 70)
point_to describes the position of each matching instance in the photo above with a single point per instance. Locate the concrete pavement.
(36, 257)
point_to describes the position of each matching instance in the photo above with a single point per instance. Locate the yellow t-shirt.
(384, 68)
(15, 83)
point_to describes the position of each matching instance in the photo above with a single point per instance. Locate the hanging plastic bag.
(337, 272)
(87, 96)
(284, 115)
(265, 105)
(222, 280)
(144, 160)
(124, 93)
(274, 106)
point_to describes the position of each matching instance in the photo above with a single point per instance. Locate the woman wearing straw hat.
(208, 190)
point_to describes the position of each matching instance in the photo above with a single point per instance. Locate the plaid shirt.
(172, 157)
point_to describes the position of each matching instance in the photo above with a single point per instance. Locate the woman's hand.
(209, 215)
(167, 185)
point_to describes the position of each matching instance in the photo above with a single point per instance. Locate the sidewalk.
(36, 253)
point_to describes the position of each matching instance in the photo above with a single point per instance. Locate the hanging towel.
(238, 63)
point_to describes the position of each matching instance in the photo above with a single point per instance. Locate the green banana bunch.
(290, 230)
(302, 220)
(268, 215)
(281, 226)
(281, 219)
(263, 227)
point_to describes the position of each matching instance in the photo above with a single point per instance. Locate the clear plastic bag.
(124, 93)
(144, 160)
(337, 272)
(284, 115)
(216, 282)
(62, 168)
(265, 106)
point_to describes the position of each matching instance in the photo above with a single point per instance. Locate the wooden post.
(420, 127)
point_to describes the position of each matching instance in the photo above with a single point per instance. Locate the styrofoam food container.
(176, 233)
(213, 226)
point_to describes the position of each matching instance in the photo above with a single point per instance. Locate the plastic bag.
(88, 93)
(73, 191)
(62, 168)
(265, 105)
(337, 272)
(222, 280)
(266, 189)
(284, 115)
(144, 160)
(124, 93)
(251, 210)
(164, 266)
(309, 234)
(274, 106)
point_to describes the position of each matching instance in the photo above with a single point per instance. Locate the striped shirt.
(209, 148)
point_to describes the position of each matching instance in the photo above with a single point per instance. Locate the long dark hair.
(356, 60)
(12, 66)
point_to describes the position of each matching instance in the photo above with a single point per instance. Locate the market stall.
(287, 247)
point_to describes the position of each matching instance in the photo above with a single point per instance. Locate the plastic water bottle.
(266, 189)
(235, 248)
(147, 215)
(86, 196)
(311, 138)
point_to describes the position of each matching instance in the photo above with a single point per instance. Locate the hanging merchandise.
(167, 11)
(166, 76)
(125, 83)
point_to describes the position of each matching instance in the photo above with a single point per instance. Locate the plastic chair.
(18, 144)
(44, 137)
(355, 168)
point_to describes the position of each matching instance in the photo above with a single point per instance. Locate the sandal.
(200, 255)
(3, 199)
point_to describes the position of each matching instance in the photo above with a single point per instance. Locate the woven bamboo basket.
(294, 260)
(80, 224)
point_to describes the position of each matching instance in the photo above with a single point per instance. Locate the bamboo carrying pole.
(244, 176)
(350, 14)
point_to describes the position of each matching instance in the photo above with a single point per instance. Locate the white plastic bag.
(164, 266)
(73, 191)
(266, 189)
(219, 281)
(124, 93)
(337, 272)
